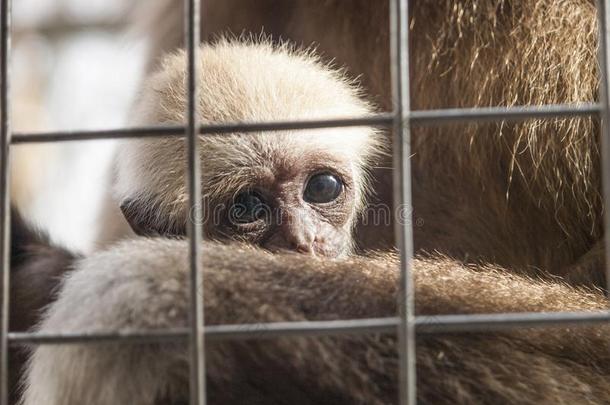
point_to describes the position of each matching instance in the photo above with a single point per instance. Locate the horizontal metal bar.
(61, 27)
(506, 321)
(438, 117)
(380, 120)
(424, 324)
(297, 329)
(25, 338)
(417, 118)
(91, 135)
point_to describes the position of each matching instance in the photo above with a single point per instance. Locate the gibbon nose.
(295, 232)
(301, 247)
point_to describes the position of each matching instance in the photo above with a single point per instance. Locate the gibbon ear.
(138, 214)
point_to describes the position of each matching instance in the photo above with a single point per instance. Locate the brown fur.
(143, 284)
(530, 191)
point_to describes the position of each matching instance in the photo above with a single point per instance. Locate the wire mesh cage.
(406, 325)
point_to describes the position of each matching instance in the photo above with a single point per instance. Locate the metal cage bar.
(604, 97)
(424, 325)
(5, 139)
(399, 65)
(197, 350)
(417, 118)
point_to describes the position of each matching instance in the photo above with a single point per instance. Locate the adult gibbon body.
(142, 284)
(525, 196)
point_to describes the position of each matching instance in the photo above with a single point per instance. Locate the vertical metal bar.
(5, 140)
(604, 97)
(399, 42)
(197, 364)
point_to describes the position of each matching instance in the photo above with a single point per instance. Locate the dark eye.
(322, 188)
(247, 207)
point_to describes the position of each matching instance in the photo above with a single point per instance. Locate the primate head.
(300, 190)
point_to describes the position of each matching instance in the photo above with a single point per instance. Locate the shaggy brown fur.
(143, 284)
(526, 196)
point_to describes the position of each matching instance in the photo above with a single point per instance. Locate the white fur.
(252, 82)
(138, 285)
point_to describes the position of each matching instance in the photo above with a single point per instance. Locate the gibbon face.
(296, 190)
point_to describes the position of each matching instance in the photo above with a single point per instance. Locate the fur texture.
(143, 284)
(531, 191)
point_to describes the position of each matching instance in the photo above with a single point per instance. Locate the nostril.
(302, 248)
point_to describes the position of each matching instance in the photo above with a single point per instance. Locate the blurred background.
(76, 64)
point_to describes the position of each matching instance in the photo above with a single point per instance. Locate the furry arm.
(143, 284)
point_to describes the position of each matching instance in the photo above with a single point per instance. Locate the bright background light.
(76, 65)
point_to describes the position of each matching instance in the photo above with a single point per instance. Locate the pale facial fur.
(252, 83)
